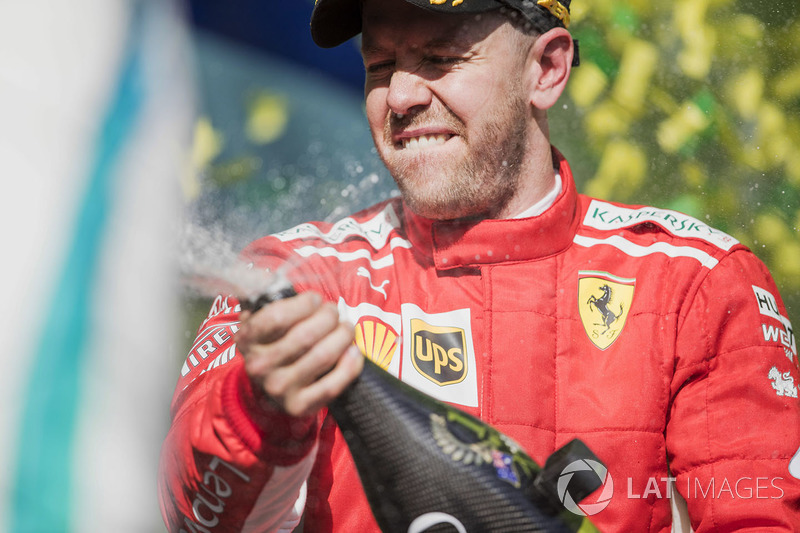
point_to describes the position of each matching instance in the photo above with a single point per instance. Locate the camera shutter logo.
(585, 509)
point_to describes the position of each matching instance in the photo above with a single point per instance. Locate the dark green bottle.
(427, 466)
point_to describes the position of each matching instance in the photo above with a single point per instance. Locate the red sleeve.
(230, 462)
(734, 424)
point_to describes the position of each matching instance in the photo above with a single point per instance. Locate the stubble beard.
(477, 185)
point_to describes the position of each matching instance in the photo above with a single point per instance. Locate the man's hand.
(298, 352)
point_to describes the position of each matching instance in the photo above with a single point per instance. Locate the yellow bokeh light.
(588, 83)
(677, 130)
(636, 70)
(267, 118)
(622, 168)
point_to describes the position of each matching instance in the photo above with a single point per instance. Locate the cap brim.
(335, 21)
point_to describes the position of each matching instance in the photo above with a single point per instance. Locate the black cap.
(335, 21)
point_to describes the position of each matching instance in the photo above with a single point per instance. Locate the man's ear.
(550, 63)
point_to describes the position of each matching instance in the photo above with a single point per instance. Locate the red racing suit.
(659, 341)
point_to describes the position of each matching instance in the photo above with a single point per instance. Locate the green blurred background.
(694, 106)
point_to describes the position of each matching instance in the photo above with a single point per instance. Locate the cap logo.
(440, 2)
(558, 10)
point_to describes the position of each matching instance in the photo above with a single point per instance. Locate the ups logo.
(439, 353)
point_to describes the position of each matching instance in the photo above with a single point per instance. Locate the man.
(494, 286)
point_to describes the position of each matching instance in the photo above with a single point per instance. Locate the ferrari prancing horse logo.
(603, 302)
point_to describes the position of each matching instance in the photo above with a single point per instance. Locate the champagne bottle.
(424, 463)
(428, 466)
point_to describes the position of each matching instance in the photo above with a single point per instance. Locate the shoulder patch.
(605, 216)
(783, 335)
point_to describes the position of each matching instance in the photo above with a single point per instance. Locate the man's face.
(446, 106)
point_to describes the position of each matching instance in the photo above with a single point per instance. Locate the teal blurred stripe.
(43, 481)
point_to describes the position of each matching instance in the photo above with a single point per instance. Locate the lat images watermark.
(579, 467)
(742, 488)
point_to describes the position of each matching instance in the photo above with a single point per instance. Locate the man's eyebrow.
(437, 43)
(371, 49)
(447, 42)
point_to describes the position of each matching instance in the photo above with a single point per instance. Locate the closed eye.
(380, 67)
(444, 60)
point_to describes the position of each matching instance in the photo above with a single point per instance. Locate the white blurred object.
(96, 114)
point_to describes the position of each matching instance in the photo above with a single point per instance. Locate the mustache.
(415, 119)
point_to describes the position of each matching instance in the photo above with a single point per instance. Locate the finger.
(307, 333)
(265, 359)
(321, 357)
(272, 321)
(321, 392)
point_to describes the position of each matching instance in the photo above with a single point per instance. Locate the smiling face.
(448, 107)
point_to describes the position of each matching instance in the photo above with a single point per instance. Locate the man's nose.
(407, 90)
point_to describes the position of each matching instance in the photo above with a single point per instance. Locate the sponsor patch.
(364, 273)
(605, 216)
(438, 354)
(604, 301)
(223, 358)
(378, 331)
(377, 340)
(208, 342)
(782, 382)
(783, 334)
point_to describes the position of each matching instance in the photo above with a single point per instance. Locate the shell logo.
(376, 340)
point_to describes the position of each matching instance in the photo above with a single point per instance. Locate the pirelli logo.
(439, 353)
